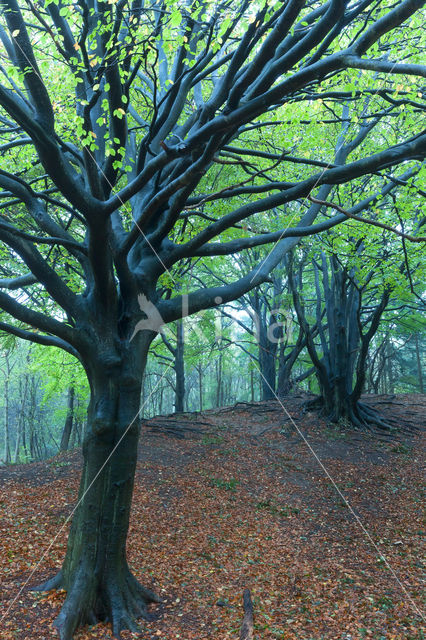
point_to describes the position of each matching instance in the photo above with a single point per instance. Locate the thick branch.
(27, 63)
(36, 319)
(50, 341)
(355, 62)
(415, 148)
(17, 283)
(234, 246)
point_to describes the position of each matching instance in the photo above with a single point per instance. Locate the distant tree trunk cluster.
(314, 328)
(35, 427)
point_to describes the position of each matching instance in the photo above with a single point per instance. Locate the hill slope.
(322, 524)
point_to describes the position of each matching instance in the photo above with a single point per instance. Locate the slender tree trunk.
(21, 435)
(75, 434)
(390, 367)
(286, 364)
(42, 431)
(200, 387)
(33, 422)
(20, 428)
(219, 393)
(39, 451)
(7, 454)
(24, 439)
(180, 368)
(160, 401)
(66, 433)
(419, 363)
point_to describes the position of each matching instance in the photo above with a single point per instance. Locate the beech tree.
(117, 121)
(270, 330)
(350, 291)
(177, 354)
(396, 361)
(340, 364)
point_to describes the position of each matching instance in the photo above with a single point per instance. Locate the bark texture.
(99, 583)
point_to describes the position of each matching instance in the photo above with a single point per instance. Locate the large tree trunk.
(338, 404)
(267, 360)
(95, 573)
(286, 363)
(341, 371)
(268, 373)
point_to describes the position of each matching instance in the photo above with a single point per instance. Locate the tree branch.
(50, 341)
(375, 223)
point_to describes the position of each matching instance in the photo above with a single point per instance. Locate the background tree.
(177, 352)
(33, 399)
(7, 370)
(117, 119)
(69, 420)
(352, 286)
(396, 359)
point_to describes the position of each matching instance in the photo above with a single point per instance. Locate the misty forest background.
(211, 361)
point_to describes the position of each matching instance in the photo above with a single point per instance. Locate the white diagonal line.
(103, 174)
(81, 499)
(316, 183)
(345, 500)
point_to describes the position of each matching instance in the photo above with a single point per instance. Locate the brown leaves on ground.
(244, 505)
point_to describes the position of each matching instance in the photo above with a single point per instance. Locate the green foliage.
(227, 485)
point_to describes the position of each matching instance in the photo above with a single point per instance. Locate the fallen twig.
(246, 632)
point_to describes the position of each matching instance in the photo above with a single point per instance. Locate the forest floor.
(236, 498)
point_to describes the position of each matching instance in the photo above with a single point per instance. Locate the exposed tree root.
(264, 406)
(118, 598)
(53, 583)
(313, 404)
(359, 415)
(175, 425)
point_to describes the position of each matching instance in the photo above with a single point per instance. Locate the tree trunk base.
(356, 414)
(117, 598)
